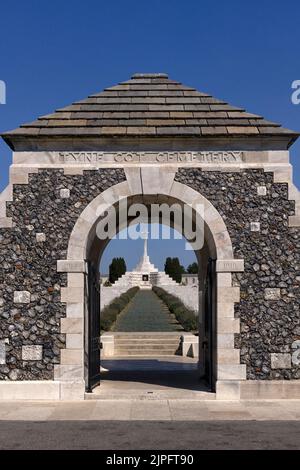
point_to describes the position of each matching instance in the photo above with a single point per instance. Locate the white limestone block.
(32, 352)
(71, 266)
(231, 372)
(227, 390)
(64, 193)
(281, 361)
(272, 293)
(230, 265)
(40, 237)
(2, 352)
(71, 356)
(255, 226)
(74, 341)
(261, 190)
(21, 297)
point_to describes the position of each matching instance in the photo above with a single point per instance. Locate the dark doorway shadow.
(157, 373)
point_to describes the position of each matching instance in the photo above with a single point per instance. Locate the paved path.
(162, 377)
(151, 409)
(122, 435)
(146, 312)
(150, 424)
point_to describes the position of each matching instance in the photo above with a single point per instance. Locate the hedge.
(109, 313)
(183, 315)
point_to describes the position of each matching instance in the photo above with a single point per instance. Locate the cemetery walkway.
(146, 312)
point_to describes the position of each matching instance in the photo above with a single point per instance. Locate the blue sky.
(53, 53)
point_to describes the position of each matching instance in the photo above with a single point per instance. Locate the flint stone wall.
(269, 309)
(50, 204)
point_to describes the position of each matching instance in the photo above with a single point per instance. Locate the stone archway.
(140, 183)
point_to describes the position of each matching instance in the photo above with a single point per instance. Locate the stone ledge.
(270, 389)
(30, 390)
(42, 390)
(72, 390)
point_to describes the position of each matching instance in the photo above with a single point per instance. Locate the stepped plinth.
(145, 275)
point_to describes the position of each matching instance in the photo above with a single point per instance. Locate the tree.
(116, 269)
(193, 268)
(174, 269)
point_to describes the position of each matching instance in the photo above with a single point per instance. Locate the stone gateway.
(150, 139)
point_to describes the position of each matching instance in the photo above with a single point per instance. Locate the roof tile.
(209, 130)
(150, 105)
(242, 130)
(179, 130)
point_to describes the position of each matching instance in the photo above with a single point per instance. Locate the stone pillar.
(70, 372)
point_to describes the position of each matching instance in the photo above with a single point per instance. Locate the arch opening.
(201, 367)
(87, 248)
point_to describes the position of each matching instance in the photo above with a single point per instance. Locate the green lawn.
(146, 312)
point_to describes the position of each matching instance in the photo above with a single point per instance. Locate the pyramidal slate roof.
(150, 105)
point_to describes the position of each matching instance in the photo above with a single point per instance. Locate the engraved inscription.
(151, 157)
(225, 266)
(80, 157)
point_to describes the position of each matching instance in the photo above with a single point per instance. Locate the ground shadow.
(161, 373)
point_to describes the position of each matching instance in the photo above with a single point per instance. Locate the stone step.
(159, 336)
(146, 341)
(160, 347)
(144, 352)
(100, 393)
